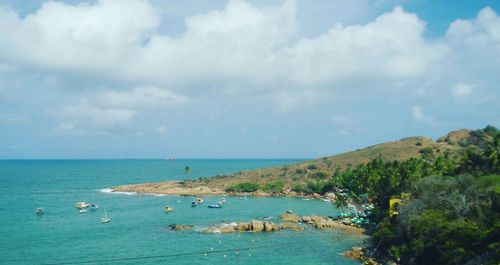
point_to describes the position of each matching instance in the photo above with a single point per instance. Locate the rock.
(318, 221)
(226, 229)
(370, 261)
(355, 253)
(257, 226)
(316, 196)
(268, 227)
(290, 217)
(180, 227)
(243, 226)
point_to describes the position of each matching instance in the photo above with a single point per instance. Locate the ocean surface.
(137, 233)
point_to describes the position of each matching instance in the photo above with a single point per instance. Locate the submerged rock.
(180, 227)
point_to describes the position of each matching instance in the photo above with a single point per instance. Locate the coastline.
(180, 189)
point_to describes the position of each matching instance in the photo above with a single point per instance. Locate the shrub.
(244, 187)
(320, 175)
(427, 153)
(300, 171)
(312, 167)
(274, 187)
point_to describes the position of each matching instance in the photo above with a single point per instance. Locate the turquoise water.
(137, 233)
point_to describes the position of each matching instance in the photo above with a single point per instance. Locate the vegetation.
(244, 187)
(451, 214)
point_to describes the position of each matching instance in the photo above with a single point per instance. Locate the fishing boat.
(40, 210)
(194, 204)
(82, 205)
(214, 206)
(199, 200)
(168, 209)
(105, 219)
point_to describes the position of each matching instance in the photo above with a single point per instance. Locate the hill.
(282, 179)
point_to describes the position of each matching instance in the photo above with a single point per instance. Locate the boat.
(168, 209)
(105, 219)
(81, 205)
(194, 204)
(222, 201)
(215, 205)
(94, 206)
(199, 200)
(40, 210)
(82, 211)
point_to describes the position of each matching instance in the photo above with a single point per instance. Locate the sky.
(241, 79)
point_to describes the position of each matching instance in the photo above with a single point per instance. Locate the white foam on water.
(108, 190)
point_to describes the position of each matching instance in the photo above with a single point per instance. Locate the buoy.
(220, 241)
(225, 256)
(205, 254)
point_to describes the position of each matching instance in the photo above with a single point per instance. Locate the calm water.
(137, 233)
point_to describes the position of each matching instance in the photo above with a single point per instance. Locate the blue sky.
(241, 79)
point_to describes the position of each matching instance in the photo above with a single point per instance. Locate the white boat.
(82, 211)
(81, 205)
(222, 201)
(40, 210)
(199, 200)
(105, 219)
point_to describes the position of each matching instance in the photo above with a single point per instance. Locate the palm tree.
(341, 201)
(187, 170)
(492, 153)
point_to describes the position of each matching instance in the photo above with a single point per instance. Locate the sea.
(138, 232)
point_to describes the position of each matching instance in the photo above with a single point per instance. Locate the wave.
(108, 190)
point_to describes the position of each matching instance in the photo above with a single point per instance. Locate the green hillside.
(283, 179)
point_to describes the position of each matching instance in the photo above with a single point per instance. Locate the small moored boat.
(81, 205)
(215, 205)
(105, 219)
(168, 209)
(194, 204)
(40, 210)
(94, 206)
(199, 200)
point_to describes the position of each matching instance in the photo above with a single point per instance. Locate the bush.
(312, 167)
(244, 187)
(274, 187)
(300, 171)
(427, 153)
(320, 175)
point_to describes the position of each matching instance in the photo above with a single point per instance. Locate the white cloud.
(141, 98)
(119, 39)
(162, 129)
(391, 47)
(461, 90)
(85, 118)
(419, 116)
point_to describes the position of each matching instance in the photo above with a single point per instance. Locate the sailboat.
(105, 219)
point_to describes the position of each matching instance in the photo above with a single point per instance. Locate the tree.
(341, 201)
(492, 154)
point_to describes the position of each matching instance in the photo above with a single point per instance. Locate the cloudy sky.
(241, 79)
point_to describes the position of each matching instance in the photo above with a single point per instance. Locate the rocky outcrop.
(257, 226)
(358, 253)
(290, 217)
(319, 221)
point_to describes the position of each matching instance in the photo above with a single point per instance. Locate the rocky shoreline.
(290, 222)
(179, 189)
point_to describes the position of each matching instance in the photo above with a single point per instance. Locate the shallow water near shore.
(137, 233)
